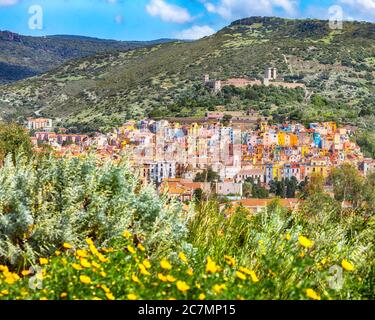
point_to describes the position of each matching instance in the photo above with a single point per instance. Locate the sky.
(155, 19)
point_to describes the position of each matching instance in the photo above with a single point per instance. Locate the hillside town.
(171, 154)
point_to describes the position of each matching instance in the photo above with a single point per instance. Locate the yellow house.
(276, 172)
(281, 138)
(194, 129)
(305, 150)
(263, 126)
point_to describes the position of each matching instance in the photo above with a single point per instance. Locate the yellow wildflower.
(132, 296)
(218, 288)
(131, 249)
(127, 234)
(89, 242)
(347, 265)
(171, 278)
(147, 264)
(3, 268)
(63, 295)
(250, 273)
(302, 254)
(202, 296)
(253, 276)
(110, 296)
(57, 253)
(96, 298)
(162, 277)
(43, 298)
(82, 253)
(95, 264)
(143, 270)
(141, 247)
(77, 266)
(85, 263)
(67, 245)
(25, 272)
(288, 236)
(43, 261)
(93, 249)
(182, 286)
(305, 242)
(4, 292)
(135, 278)
(85, 279)
(182, 257)
(165, 264)
(312, 294)
(240, 275)
(230, 261)
(105, 288)
(190, 272)
(211, 266)
(102, 258)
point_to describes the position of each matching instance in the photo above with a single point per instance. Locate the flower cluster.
(125, 271)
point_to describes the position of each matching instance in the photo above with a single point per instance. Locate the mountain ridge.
(24, 56)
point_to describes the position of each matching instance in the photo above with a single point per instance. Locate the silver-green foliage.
(48, 202)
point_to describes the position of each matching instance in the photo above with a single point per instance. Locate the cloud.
(360, 4)
(195, 32)
(5, 3)
(232, 9)
(359, 9)
(168, 12)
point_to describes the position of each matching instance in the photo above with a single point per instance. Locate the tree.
(314, 186)
(254, 190)
(291, 187)
(207, 176)
(14, 140)
(247, 189)
(348, 185)
(226, 119)
(198, 195)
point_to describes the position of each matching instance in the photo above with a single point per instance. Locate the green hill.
(337, 66)
(24, 56)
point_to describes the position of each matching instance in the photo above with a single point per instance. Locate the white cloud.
(359, 9)
(231, 9)
(195, 32)
(5, 3)
(168, 12)
(360, 4)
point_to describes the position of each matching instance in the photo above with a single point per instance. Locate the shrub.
(51, 201)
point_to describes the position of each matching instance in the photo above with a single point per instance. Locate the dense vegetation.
(23, 56)
(279, 102)
(101, 91)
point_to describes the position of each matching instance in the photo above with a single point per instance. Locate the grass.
(273, 255)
